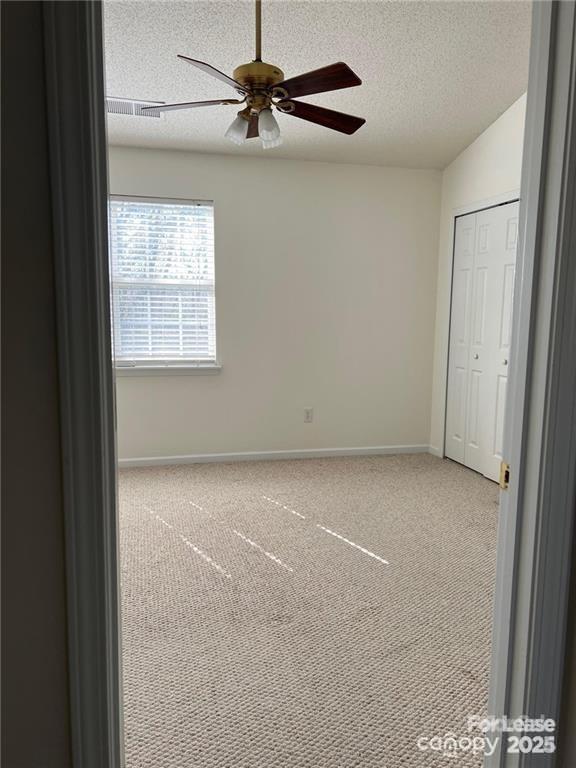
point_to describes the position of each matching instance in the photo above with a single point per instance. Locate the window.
(162, 273)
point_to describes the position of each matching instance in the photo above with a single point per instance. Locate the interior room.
(311, 337)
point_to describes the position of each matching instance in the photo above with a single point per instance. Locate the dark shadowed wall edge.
(35, 711)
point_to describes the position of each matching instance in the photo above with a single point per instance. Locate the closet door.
(481, 314)
(459, 351)
(499, 246)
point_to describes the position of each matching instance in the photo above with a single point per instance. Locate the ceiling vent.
(132, 108)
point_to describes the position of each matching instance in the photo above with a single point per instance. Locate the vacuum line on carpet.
(197, 506)
(244, 538)
(261, 549)
(192, 546)
(279, 504)
(327, 530)
(353, 544)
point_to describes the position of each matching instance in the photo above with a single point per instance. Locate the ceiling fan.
(263, 88)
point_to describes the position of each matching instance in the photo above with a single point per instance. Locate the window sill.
(168, 370)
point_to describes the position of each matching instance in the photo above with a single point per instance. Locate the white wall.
(326, 286)
(486, 172)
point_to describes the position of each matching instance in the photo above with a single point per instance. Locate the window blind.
(162, 275)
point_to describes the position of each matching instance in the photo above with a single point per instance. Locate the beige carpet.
(304, 614)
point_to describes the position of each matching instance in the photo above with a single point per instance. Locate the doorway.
(484, 265)
(90, 521)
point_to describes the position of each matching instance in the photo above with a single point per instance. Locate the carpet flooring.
(318, 613)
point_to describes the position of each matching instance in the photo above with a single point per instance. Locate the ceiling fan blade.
(330, 78)
(337, 121)
(210, 70)
(189, 105)
(253, 128)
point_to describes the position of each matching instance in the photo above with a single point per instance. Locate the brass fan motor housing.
(257, 75)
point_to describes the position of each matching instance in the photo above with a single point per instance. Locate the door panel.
(480, 277)
(460, 322)
(473, 420)
(506, 311)
(501, 388)
(475, 445)
(501, 294)
(480, 329)
(459, 404)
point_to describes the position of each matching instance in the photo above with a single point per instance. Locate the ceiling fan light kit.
(238, 130)
(272, 143)
(268, 128)
(263, 87)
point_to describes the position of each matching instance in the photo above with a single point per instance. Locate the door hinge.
(504, 475)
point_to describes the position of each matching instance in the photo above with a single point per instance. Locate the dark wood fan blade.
(253, 128)
(210, 70)
(337, 121)
(189, 105)
(330, 78)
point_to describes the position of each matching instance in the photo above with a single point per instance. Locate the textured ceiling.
(435, 74)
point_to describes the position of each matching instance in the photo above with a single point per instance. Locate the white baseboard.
(306, 453)
(435, 451)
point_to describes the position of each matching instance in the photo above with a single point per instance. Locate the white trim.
(537, 512)
(76, 132)
(462, 210)
(487, 202)
(170, 369)
(305, 453)
(172, 200)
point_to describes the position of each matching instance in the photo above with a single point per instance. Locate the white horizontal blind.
(162, 265)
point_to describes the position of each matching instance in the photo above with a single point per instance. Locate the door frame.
(76, 128)
(540, 441)
(465, 210)
(536, 526)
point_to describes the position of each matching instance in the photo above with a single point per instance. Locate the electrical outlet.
(308, 415)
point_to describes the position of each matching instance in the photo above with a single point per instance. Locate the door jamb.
(76, 128)
(537, 511)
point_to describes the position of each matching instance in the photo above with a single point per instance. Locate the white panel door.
(481, 315)
(479, 348)
(500, 290)
(459, 352)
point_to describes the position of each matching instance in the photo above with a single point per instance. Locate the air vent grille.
(132, 108)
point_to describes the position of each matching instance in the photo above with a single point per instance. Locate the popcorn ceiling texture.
(435, 74)
(262, 627)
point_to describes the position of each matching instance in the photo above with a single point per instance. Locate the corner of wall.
(487, 172)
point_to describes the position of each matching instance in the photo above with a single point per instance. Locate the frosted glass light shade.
(238, 130)
(272, 144)
(268, 128)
